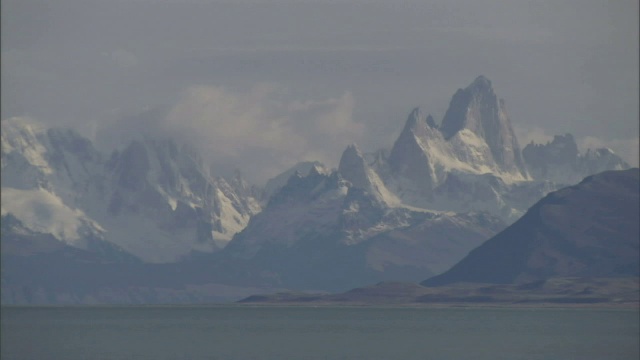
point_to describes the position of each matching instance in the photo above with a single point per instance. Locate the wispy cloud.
(536, 135)
(259, 131)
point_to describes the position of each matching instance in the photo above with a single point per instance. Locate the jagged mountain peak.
(475, 107)
(478, 110)
(566, 144)
(353, 147)
(562, 149)
(415, 120)
(305, 188)
(151, 188)
(417, 127)
(352, 152)
(353, 167)
(560, 160)
(604, 151)
(274, 185)
(481, 83)
(35, 155)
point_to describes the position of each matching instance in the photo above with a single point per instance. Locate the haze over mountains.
(401, 214)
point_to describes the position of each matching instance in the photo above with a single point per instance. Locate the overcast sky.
(262, 84)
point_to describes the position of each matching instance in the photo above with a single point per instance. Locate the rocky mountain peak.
(481, 83)
(408, 157)
(418, 126)
(353, 167)
(565, 144)
(477, 109)
(350, 155)
(303, 188)
(471, 108)
(560, 161)
(275, 184)
(561, 150)
(602, 159)
(415, 121)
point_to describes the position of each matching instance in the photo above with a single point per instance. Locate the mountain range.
(154, 207)
(578, 245)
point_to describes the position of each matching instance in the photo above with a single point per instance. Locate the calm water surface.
(274, 333)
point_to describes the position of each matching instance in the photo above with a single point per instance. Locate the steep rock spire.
(353, 167)
(478, 109)
(408, 157)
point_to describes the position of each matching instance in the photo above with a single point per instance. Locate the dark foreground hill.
(587, 230)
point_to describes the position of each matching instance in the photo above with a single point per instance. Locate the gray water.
(275, 333)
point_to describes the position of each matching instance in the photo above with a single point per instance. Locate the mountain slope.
(590, 230)
(154, 199)
(560, 161)
(323, 232)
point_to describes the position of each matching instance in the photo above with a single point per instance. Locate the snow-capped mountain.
(418, 208)
(35, 161)
(399, 214)
(321, 231)
(560, 161)
(354, 168)
(460, 174)
(475, 138)
(155, 199)
(468, 163)
(478, 110)
(276, 183)
(473, 162)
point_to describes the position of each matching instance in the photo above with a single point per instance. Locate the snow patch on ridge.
(44, 212)
(20, 135)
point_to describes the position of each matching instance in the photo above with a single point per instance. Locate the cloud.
(536, 135)
(259, 131)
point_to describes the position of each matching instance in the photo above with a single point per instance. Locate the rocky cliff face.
(478, 109)
(414, 157)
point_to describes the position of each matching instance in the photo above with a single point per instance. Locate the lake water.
(276, 333)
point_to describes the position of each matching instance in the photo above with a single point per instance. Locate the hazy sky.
(260, 85)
